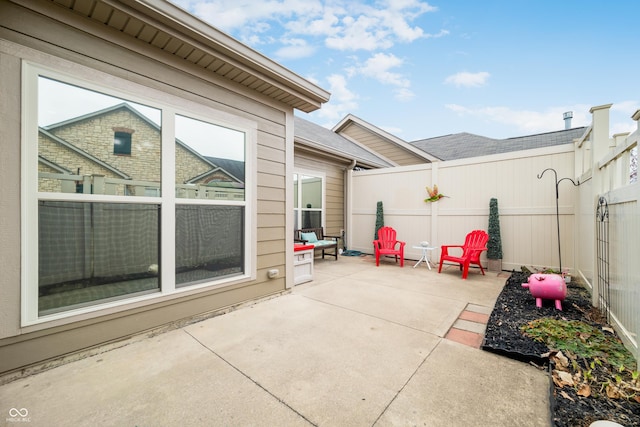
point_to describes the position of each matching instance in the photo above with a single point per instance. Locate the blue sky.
(421, 69)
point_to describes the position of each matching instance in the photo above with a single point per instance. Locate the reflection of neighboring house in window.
(120, 143)
(57, 156)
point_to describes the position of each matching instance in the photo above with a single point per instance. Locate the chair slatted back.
(387, 237)
(474, 243)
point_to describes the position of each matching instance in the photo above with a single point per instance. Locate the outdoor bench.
(320, 241)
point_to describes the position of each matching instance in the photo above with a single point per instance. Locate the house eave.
(172, 30)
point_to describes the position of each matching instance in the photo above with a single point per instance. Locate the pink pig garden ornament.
(547, 286)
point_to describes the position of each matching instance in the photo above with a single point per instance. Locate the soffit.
(170, 29)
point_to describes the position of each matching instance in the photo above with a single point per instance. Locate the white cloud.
(404, 94)
(378, 68)
(468, 79)
(342, 102)
(437, 35)
(399, 13)
(321, 25)
(362, 33)
(528, 121)
(296, 48)
(621, 113)
(551, 119)
(626, 107)
(345, 24)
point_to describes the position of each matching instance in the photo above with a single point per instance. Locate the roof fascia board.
(53, 165)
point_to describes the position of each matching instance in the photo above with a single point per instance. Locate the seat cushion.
(309, 237)
(318, 243)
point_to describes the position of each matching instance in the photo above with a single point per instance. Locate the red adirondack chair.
(474, 244)
(386, 244)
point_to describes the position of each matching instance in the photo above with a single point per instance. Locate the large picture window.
(127, 199)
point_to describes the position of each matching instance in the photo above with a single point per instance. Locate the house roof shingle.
(464, 145)
(312, 134)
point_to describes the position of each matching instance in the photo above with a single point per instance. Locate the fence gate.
(602, 225)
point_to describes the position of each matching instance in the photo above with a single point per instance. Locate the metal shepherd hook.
(557, 209)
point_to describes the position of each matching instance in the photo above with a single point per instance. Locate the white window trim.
(297, 209)
(170, 105)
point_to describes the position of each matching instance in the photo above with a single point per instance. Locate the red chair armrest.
(445, 249)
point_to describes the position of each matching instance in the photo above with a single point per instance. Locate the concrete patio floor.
(360, 345)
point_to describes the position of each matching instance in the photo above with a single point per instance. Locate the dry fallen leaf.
(566, 396)
(613, 392)
(584, 390)
(562, 378)
(561, 361)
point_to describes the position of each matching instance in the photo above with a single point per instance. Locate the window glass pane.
(122, 143)
(311, 219)
(209, 242)
(210, 161)
(93, 143)
(95, 252)
(311, 192)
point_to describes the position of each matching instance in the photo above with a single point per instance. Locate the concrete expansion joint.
(234, 367)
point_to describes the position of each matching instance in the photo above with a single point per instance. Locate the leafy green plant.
(600, 364)
(580, 338)
(494, 245)
(379, 219)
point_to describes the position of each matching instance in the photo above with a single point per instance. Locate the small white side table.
(424, 255)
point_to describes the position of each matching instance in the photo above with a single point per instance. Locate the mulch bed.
(516, 307)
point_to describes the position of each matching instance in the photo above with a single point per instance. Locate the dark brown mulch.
(515, 307)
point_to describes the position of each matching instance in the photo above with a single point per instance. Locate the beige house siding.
(42, 40)
(381, 146)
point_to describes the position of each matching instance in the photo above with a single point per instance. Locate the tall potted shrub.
(494, 246)
(379, 220)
